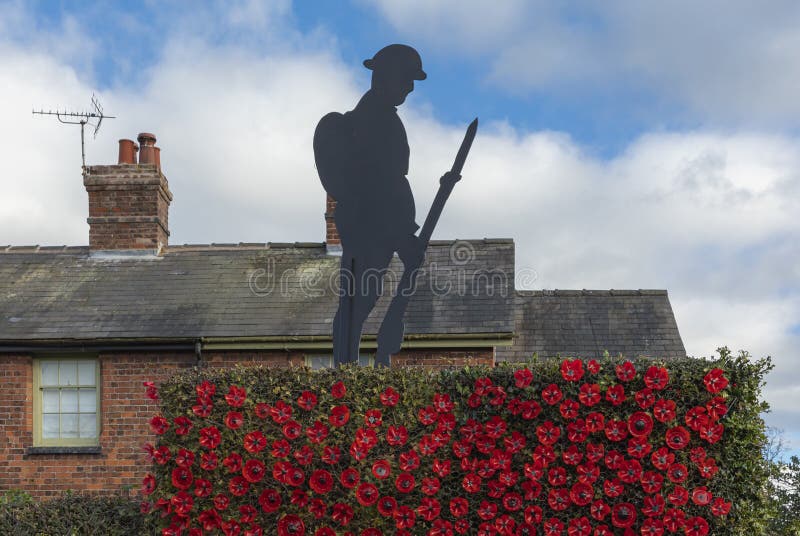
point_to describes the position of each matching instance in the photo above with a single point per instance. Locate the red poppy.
(707, 468)
(696, 418)
(389, 397)
(557, 476)
(594, 452)
(677, 473)
(236, 396)
(664, 410)
(206, 389)
(652, 527)
(613, 487)
(588, 473)
(373, 418)
(495, 427)
(656, 378)
(523, 377)
(599, 510)
(639, 447)
(696, 526)
(203, 407)
(595, 422)
(281, 448)
(318, 508)
(558, 499)
(159, 425)
(304, 455)
(387, 506)
(221, 502)
(701, 496)
(307, 400)
(182, 478)
(234, 420)
(623, 515)
(281, 412)
(572, 455)
(593, 366)
(404, 517)
(630, 471)
(569, 409)
(651, 482)
(471, 483)
(716, 407)
(487, 510)
(653, 505)
(553, 527)
(616, 430)
(182, 425)
(255, 442)
(202, 487)
(182, 503)
(697, 454)
(324, 531)
(238, 486)
(427, 415)
(548, 433)
(711, 433)
(367, 494)
(530, 410)
(338, 390)
(589, 394)
(396, 435)
(339, 416)
(442, 403)
(184, 458)
(552, 394)
(429, 508)
(613, 460)
(381, 469)
(674, 519)
(317, 432)
(321, 481)
(350, 477)
(715, 381)
(291, 525)
(678, 496)
(331, 455)
(254, 470)
(579, 527)
(645, 398)
(148, 484)
(720, 506)
(640, 424)
(263, 410)
(247, 513)
(209, 519)
(662, 458)
(581, 494)
(270, 500)
(572, 371)
(615, 394)
(625, 372)
(677, 438)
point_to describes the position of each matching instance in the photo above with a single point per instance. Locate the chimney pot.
(147, 143)
(127, 152)
(157, 157)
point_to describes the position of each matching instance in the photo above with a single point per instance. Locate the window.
(66, 402)
(326, 361)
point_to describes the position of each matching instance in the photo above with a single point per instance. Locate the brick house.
(82, 327)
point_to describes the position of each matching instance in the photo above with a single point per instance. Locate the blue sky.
(623, 144)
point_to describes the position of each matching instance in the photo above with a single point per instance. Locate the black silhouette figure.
(362, 160)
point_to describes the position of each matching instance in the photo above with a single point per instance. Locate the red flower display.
(581, 459)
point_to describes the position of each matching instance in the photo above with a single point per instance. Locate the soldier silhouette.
(362, 160)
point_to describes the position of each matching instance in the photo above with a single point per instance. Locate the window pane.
(69, 425)
(69, 401)
(50, 426)
(88, 425)
(49, 372)
(86, 375)
(87, 398)
(68, 373)
(365, 361)
(50, 401)
(320, 361)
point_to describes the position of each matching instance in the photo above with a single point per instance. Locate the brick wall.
(128, 207)
(126, 412)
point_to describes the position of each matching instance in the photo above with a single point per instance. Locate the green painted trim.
(37, 405)
(324, 342)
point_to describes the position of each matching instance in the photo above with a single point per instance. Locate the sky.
(623, 144)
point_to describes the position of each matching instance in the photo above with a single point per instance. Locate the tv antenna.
(82, 119)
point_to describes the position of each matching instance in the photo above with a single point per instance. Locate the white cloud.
(730, 62)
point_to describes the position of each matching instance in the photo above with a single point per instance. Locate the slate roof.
(584, 323)
(238, 290)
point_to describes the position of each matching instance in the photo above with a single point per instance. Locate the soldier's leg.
(343, 325)
(369, 278)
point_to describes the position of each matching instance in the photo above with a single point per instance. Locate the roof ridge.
(592, 292)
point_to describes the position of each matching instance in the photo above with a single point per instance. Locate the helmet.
(400, 58)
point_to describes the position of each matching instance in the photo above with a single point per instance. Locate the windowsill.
(33, 451)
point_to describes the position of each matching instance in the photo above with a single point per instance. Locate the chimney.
(129, 202)
(332, 242)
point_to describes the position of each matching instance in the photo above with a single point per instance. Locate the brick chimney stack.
(129, 202)
(331, 233)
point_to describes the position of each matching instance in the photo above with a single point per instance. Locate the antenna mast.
(82, 119)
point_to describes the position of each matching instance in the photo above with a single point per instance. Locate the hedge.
(578, 447)
(72, 514)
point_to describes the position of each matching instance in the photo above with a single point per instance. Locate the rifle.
(390, 335)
